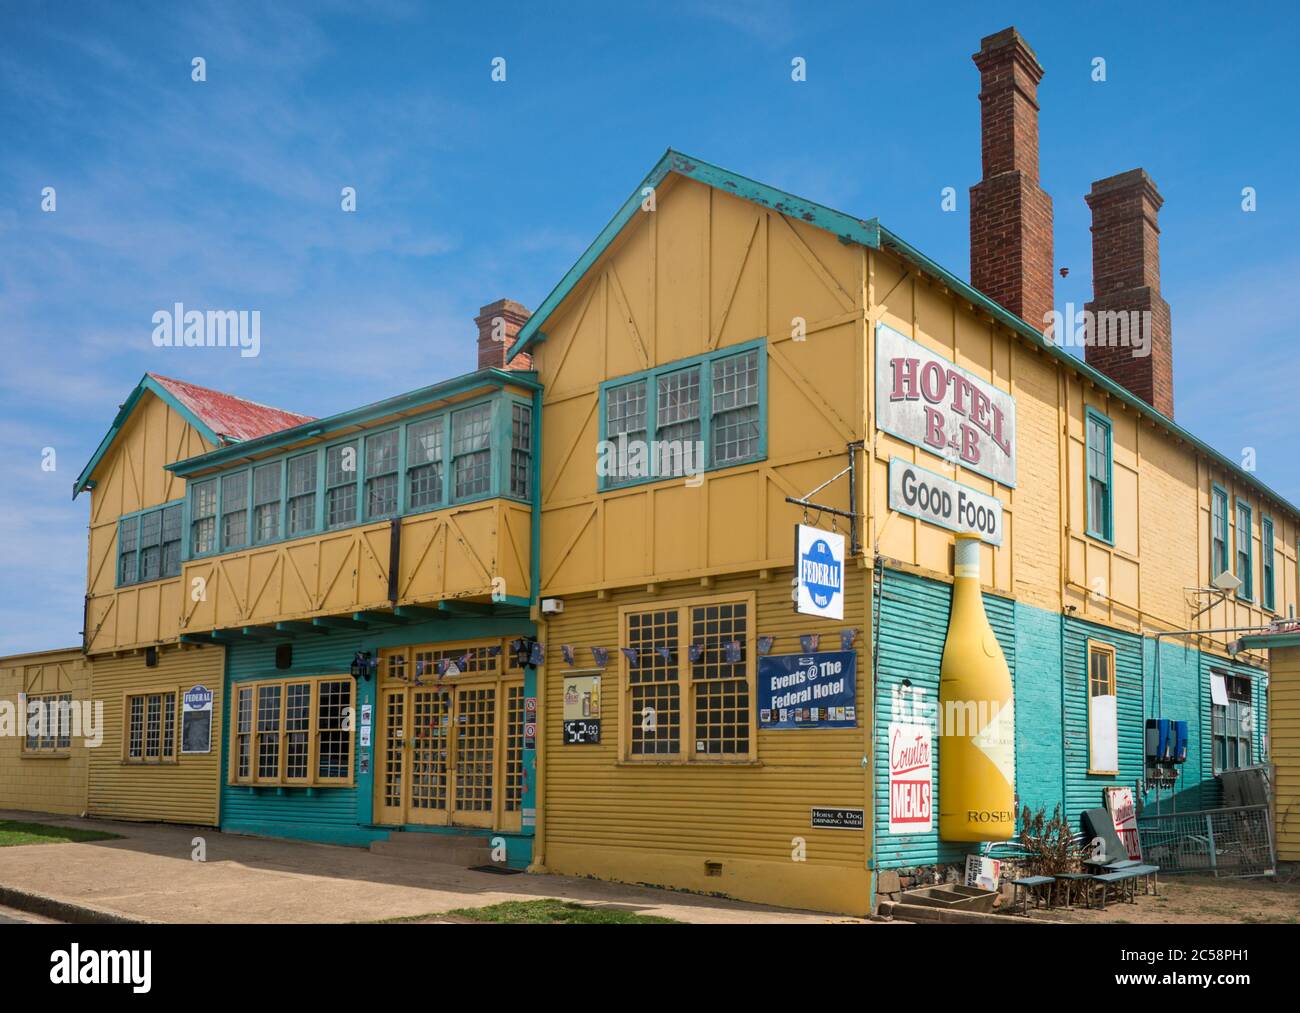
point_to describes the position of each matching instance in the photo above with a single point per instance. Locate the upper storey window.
(149, 545)
(1101, 521)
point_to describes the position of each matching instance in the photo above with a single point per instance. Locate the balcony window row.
(1244, 557)
(149, 545)
(684, 418)
(422, 465)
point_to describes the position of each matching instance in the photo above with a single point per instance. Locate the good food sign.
(930, 402)
(939, 500)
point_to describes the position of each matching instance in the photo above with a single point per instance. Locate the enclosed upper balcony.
(411, 508)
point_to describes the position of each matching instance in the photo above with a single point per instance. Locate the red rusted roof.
(230, 417)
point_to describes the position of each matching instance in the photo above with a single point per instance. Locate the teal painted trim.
(1271, 639)
(1219, 495)
(147, 383)
(535, 520)
(1267, 565)
(1105, 531)
(496, 378)
(500, 488)
(650, 377)
(1243, 512)
(890, 241)
(847, 227)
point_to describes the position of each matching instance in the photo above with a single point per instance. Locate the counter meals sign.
(930, 402)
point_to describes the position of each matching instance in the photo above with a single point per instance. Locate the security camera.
(552, 606)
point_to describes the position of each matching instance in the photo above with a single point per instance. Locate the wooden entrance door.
(451, 755)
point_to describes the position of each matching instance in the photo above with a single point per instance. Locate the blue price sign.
(808, 690)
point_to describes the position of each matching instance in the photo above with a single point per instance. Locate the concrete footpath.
(148, 875)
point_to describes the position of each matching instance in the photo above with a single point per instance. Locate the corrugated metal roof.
(230, 417)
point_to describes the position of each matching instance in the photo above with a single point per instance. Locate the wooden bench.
(1030, 885)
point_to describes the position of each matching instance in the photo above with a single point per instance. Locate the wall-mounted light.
(364, 665)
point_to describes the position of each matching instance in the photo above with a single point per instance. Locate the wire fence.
(1235, 842)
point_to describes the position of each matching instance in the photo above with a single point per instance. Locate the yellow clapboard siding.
(185, 791)
(1284, 747)
(44, 781)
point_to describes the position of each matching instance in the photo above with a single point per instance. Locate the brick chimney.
(1126, 290)
(1010, 214)
(498, 326)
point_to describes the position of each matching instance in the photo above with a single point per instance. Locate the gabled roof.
(220, 418)
(864, 232)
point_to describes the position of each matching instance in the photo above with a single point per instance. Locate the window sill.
(688, 763)
(35, 754)
(1099, 537)
(148, 763)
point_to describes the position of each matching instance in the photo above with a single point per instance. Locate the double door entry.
(451, 754)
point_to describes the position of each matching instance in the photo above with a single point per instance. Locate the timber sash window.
(1103, 710)
(234, 510)
(49, 723)
(1101, 522)
(471, 451)
(424, 464)
(1268, 589)
(381, 474)
(1231, 720)
(625, 426)
(521, 450)
(677, 423)
(735, 408)
(688, 687)
(301, 494)
(203, 517)
(148, 545)
(341, 485)
(266, 502)
(294, 732)
(151, 728)
(1245, 553)
(1218, 531)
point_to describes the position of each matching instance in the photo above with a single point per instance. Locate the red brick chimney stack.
(1126, 279)
(1010, 214)
(498, 326)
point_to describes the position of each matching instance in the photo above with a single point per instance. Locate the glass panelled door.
(451, 754)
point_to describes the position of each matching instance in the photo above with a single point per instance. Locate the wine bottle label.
(997, 741)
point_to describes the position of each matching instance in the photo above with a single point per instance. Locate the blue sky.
(225, 194)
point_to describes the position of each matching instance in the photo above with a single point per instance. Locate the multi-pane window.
(626, 427)
(151, 728)
(689, 689)
(301, 494)
(1218, 531)
(266, 502)
(735, 408)
(684, 418)
(424, 464)
(234, 510)
(171, 540)
(1231, 721)
(1100, 520)
(1245, 552)
(1268, 589)
(341, 485)
(521, 450)
(128, 559)
(49, 723)
(203, 517)
(471, 451)
(381, 474)
(293, 731)
(1103, 710)
(677, 422)
(148, 545)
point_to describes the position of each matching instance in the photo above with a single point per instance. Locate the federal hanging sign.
(819, 572)
(932, 403)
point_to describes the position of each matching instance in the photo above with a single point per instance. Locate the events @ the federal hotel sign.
(932, 403)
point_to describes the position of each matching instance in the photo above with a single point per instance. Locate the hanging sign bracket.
(851, 513)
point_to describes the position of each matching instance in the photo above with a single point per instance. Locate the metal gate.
(1236, 842)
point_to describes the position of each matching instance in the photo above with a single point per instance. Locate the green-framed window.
(684, 417)
(1101, 476)
(1232, 721)
(1268, 589)
(370, 476)
(149, 544)
(1245, 553)
(1218, 530)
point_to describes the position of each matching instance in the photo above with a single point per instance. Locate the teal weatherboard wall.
(344, 815)
(1047, 655)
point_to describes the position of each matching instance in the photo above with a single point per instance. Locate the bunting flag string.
(566, 652)
(731, 652)
(600, 655)
(537, 655)
(765, 645)
(630, 654)
(695, 652)
(810, 642)
(846, 639)
(665, 652)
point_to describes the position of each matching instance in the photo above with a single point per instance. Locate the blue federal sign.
(819, 572)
